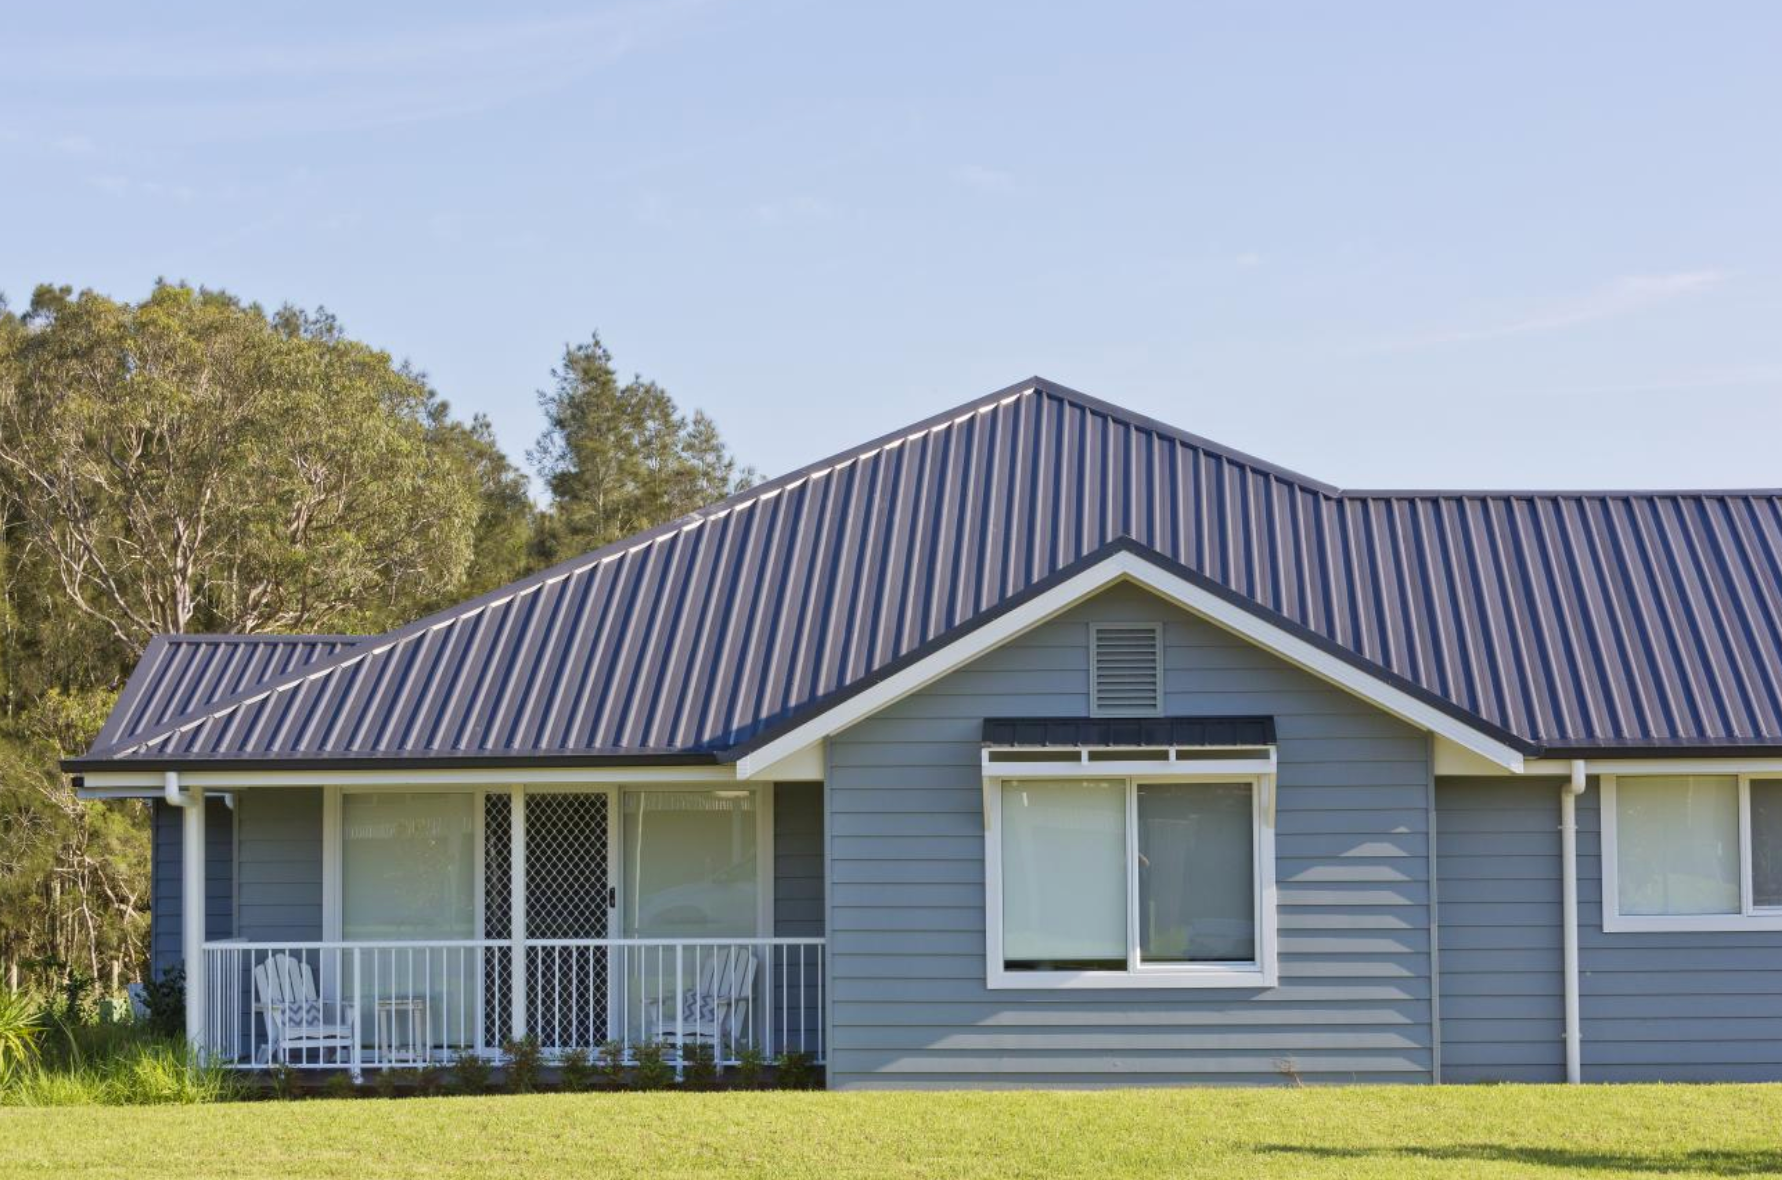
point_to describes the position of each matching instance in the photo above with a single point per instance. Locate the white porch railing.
(374, 1005)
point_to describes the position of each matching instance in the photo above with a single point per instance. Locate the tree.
(191, 462)
(501, 540)
(620, 458)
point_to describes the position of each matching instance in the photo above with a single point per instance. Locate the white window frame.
(1749, 917)
(1261, 973)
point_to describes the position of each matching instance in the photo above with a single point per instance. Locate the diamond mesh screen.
(567, 897)
(497, 917)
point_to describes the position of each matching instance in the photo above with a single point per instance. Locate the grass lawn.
(1641, 1131)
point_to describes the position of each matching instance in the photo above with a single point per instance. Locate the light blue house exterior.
(1037, 745)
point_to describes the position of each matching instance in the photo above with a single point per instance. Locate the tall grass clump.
(140, 1071)
(21, 1034)
(61, 1054)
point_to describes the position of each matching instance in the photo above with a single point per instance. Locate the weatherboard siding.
(280, 864)
(165, 880)
(1502, 974)
(909, 1005)
(798, 860)
(1698, 1006)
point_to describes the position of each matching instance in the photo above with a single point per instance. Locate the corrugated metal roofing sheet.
(180, 673)
(1564, 619)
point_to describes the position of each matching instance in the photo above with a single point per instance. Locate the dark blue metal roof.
(1560, 620)
(180, 673)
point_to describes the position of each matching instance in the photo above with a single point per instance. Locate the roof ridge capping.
(256, 637)
(1559, 493)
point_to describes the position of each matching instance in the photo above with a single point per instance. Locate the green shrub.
(652, 1071)
(575, 1071)
(339, 1085)
(523, 1058)
(21, 1034)
(751, 1067)
(77, 999)
(165, 999)
(796, 1071)
(610, 1064)
(391, 1082)
(699, 1067)
(430, 1081)
(470, 1073)
(282, 1081)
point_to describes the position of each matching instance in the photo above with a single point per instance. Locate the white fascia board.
(1131, 567)
(107, 780)
(1453, 760)
(804, 765)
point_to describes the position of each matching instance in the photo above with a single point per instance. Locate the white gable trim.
(1125, 566)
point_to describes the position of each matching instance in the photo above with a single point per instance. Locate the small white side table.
(402, 1030)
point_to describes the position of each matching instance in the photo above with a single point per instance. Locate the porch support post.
(192, 903)
(517, 914)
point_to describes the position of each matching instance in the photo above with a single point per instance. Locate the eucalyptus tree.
(190, 461)
(620, 457)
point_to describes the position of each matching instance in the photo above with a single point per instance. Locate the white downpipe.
(1568, 855)
(190, 801)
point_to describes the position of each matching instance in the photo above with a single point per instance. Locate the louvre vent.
(1125, 669)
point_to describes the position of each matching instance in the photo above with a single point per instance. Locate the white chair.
(715, 1010)
(298, 1020)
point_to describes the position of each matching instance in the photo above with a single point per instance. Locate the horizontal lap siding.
(166, 874)
(1502, 981)
(1672, 1007)
(908, 1001)
(798, 860)
(281, 864)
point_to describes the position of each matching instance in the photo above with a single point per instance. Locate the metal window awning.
(1156, 733)
(1137, 747)
(1129, 747)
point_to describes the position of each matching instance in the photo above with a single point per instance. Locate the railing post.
(358, 1014)
(517, 973)
(680, 1033)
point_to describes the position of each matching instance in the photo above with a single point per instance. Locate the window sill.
(1245, 975)
(1684, 923)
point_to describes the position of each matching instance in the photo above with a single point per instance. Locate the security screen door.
(569, 895)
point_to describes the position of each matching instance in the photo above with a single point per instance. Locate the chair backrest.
(281, 984)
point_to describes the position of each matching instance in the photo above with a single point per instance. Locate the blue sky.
(1384, 244)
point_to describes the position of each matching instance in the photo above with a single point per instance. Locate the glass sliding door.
(408, 874)
(691, 866)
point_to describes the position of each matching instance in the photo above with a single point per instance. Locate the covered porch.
(388, 922)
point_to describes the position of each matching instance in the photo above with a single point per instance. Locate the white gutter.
(1568, 856)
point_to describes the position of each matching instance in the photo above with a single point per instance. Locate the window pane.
(1197, 880)
(1677, 840)
(408, 865)
(689, 864)
(1766, 842)
(1064, 874)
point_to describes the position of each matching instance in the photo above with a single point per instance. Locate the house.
(1039, 743)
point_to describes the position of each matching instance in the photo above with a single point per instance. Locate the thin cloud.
(1625, 296)
(333, 75)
